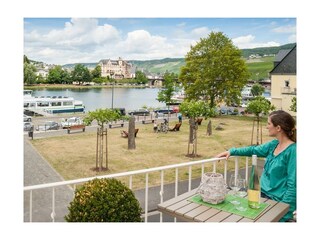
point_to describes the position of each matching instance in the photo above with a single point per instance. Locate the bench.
(147, 121)
(199, 120)
(115, 125)
(125, 134)
(76, 127)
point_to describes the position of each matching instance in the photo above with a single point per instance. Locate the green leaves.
(104, 200)
(214, 67)
(196, 109)
(167, 92)
(260, 105)
(102, 116)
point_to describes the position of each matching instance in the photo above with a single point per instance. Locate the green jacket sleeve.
(290, 194)
(261, 150)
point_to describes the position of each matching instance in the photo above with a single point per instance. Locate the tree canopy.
(257, 89)
(29, 73)
(195, 109)
(58, 75)
(167, 92)
(260, 105)
(141, 77)
(81, 74)
(102, 116)
(214, 70)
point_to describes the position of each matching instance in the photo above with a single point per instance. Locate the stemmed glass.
(242, 192)
(233, 184)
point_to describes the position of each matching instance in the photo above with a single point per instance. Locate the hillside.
(266, 50)
(160, 66)
(259, 67)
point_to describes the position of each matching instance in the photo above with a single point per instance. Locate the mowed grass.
(73, 156)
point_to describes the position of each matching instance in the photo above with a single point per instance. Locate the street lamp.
(111, 74)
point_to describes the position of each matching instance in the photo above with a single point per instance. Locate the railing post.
(146, 199)
(247, 166)
(130, 182)
(53, 214)
(176, 184)
(190, 173)
(225, 170)
(30, 206)
(161, 190)
(236, 167)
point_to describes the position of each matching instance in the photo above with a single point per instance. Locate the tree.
(194, 109)
(257, 90)
(96, 72)
(25, 59)
(141, 77)
(258, 106)
(167, 92)
(214, 70)
(293, 106)
(102, 116)
(58, 75)
(80, 74)
(29, 73)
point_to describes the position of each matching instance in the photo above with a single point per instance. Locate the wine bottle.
(254, 185)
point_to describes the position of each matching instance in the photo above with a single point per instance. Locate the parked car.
(49, 125)
(164, 111)
(139, 112)
(71, 122)
(27, 126)
(228, 111)
(27, 118)
(122, 111)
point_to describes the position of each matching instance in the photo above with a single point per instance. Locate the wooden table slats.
(185, 210)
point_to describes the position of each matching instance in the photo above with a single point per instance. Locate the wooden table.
(185, 210)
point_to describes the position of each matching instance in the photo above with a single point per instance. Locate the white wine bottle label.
(253, 198)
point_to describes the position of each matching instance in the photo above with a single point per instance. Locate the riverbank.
(76, 86)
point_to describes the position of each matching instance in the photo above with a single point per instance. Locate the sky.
(74, 40)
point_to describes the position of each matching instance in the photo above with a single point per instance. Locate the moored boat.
(51, 104)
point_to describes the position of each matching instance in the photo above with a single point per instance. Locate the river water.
(94, 98)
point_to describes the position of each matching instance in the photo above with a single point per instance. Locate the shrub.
(104, 200)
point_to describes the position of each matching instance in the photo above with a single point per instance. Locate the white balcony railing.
(51, 187)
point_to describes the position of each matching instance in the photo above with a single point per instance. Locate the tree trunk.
(258, 125)
(131, 134)
(193, 126)
(209, 128)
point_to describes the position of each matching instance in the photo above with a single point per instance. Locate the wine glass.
(234, 186)
(242, 192)
(233, 183)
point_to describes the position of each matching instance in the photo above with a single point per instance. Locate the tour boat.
(51, 104)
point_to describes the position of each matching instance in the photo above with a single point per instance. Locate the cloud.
(247, 41)
(199, 32)
(78, 38)
(292, 38)
(285, 29)
(140, 44)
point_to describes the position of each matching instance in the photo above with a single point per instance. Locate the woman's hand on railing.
(225, 154)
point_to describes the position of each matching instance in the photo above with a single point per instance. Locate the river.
(94, 98)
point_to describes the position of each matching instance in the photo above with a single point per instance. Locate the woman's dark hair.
(286, 122)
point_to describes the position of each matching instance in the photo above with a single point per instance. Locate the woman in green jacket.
(278, 179)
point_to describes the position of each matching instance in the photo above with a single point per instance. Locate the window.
(56, 104)
(43, 104)
(287, 83)
(67, 103)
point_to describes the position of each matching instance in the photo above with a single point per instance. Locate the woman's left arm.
(290, 194)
